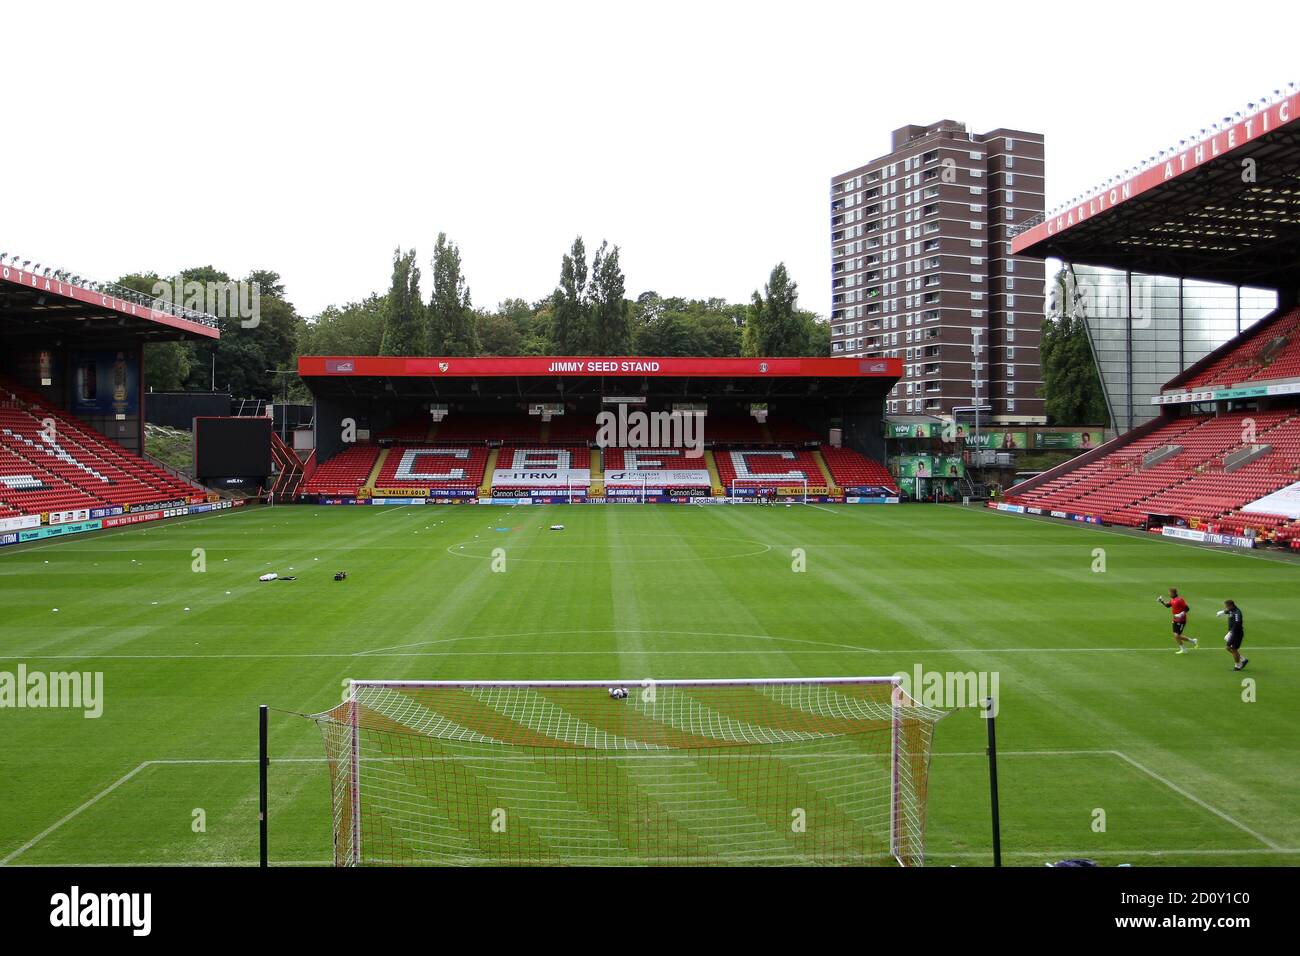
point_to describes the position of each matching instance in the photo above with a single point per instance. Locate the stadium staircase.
(824, 468)
(485, 487)
(712, 464)
(290, 472)
(597, 473)
(372, 478)
(71, 466)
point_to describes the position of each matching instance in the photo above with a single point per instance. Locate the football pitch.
(1111, 747)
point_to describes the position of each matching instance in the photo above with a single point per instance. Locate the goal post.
(794, 771)
(776, 484)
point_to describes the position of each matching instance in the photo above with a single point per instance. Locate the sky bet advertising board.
(105, 383)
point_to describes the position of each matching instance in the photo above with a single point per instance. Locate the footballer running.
(1178, 607)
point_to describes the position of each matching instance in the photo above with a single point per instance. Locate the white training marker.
(56, 610)
(187, 609)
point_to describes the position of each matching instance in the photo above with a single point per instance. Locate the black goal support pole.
(993, 781)
(263, 761)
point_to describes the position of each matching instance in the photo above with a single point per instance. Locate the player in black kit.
(1236, 632)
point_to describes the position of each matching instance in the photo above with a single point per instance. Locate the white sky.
(700, 137)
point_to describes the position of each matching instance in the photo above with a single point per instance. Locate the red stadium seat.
(71, 466)
(1192, 484)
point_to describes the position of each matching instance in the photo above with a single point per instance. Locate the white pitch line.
(85, 806)
(1102, 529)
(1197, 800)
(930, 855)
(1153, 775)
(1272, 847)
(352, 655)
(127, 529)
(1075, 852)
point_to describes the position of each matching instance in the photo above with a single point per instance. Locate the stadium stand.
(1189, 474)
(412, 466)
(851, 469)
(72, 467)
(733, 431)
(570, 430)
(782, 466)
(1270, 350)
(482, 428)
(411, 430)
(791, 432)
(345, 473)
(526, 457)
(674, 459)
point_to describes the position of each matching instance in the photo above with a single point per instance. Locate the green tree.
(404, 313)
(1072, 389)
(505, 329)
(166, 364)
(451, 321)
(819, 337)
(353, 329)
(776, 327)
(610, 324)
(570, 328)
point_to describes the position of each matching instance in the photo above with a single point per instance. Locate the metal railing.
(16, 261)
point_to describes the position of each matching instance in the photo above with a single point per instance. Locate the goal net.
(755, 772)
(773, 488)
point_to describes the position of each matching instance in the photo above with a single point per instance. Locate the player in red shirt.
(1179, 608)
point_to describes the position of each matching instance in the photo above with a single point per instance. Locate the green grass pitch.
(1098, 716)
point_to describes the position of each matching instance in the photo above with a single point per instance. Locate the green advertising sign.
(949, 466)
(1070, 440)
(922, 430)
(1003, 441)
(915, 466)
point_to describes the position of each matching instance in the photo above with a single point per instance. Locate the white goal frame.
(898, 700)
(772, 482)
